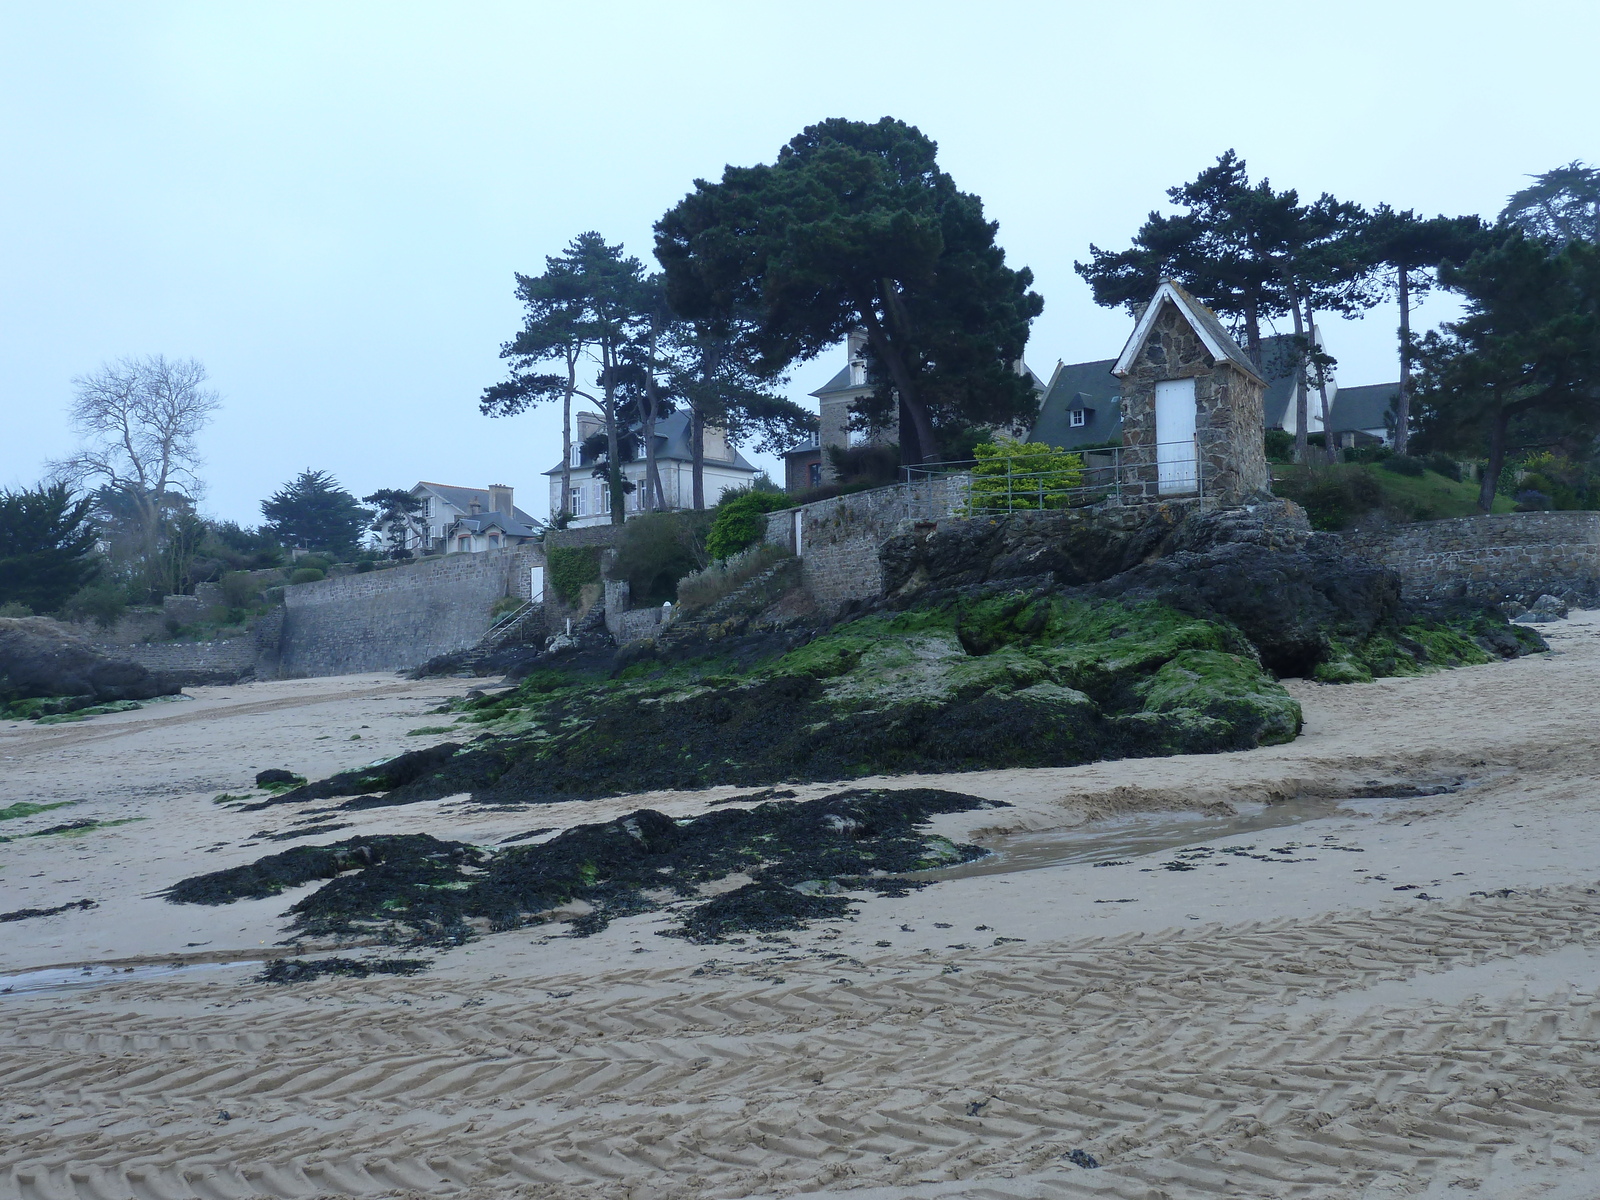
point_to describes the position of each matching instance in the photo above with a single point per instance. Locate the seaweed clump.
(298, 970)
(861, 840)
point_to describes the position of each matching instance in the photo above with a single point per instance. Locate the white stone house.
(590, 500)
(461, 520)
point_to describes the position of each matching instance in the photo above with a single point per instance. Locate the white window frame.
(577, 454)
(1078, 419)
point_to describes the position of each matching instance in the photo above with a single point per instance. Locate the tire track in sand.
(1193, 1063)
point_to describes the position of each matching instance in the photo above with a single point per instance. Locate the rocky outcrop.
(43, 658)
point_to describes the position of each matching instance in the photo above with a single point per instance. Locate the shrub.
(103, 603)
(1279, 446)
(504, 605)
(572, 568)
(314, 562)
(1333, 496)
(1023, 475)
(239, 590)
(1367, 454)
(1404, 464)
(1445, 465)
(872, 465)
(705, 588)
(741, 520)
(658, 549)
(307, 575)
(15, 608)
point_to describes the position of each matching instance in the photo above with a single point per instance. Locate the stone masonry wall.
(1510, 556)
(197, 664)
(396, 619)
(839, 538)
(1228, 414)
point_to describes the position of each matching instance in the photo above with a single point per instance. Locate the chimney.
(475, 507)
(500, 499)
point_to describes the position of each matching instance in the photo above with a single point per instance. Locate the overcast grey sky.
(324, 202)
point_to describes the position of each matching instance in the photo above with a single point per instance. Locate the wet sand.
(1222, 1011)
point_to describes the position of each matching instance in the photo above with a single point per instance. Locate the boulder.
(42, 658)
(1545, 608)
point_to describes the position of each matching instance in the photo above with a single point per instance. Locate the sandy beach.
(1282, 972)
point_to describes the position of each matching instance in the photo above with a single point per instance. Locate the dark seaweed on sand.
(864, 839)
(295, 970)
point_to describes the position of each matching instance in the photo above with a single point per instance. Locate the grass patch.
(74, 828)
(1337, 495)
(25, 808)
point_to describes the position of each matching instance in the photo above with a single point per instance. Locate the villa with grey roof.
(589, 502)
(461, 520)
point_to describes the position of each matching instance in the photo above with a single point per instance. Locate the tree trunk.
(1497, 459)
(1301, 414)
(1402, 402)
(1252, 335)
(697, 453)
(1329, 450)
(566, 438)
(613, 442)
(920, 446)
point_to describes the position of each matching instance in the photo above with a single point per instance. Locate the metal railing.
(1002, 484)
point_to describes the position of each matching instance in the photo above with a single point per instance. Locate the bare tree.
(139, 419)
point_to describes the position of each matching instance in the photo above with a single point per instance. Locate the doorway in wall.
(1176, 459)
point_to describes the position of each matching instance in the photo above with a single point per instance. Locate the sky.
(325, 202)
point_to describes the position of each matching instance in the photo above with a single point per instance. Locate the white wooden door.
(536, 584)
(1175, 446)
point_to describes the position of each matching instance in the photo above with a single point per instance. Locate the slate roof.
(486, 521)
(1089, 386)
(1277, 368)
(1368, 407)
(461, 498)
(672, 443)
(839, 383)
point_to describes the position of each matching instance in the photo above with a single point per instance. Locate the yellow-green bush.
(1023, 475)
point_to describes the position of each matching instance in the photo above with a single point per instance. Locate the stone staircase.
(523, 625)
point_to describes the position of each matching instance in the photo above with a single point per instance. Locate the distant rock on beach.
(44, 658)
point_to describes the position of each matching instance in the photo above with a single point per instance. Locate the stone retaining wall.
(399, 618)
(837, 540)
(1509, 556)
(197, 664)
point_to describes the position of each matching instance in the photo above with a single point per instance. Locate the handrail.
(510, 618)
(1150, 471)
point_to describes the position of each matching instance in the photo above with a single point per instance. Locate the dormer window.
(1079, 418)
(577, 454)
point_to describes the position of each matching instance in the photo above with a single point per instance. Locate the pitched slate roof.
(1089, 386)
(1368, 407)
(1218, 341)
(672, 444)
(840, 383)
(486, 521)
(461, 498)
(1277, 365)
